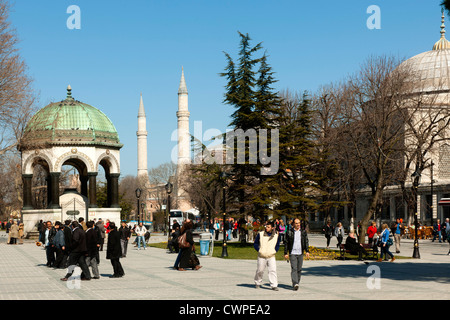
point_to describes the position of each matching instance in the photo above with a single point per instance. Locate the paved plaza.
(149, 275)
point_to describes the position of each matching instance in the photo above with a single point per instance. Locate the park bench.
(368, 247)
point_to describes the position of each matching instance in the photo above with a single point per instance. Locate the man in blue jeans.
(140, 235)
(437, 231)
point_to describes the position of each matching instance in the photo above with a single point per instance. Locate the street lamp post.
(416, 177)
(432, 181)
(143, 211)
(169, 189)
(138, 208)
(223, 176)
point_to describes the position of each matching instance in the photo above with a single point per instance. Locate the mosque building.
(431, 71)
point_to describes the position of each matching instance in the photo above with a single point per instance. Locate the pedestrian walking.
(339, 233)
(114, 251)
(188, 259)
(68, 243)
(59, 245)
(437, 231)
(125, 234)
(282, 230)
(140, 235)
(267, 243)
(296, 246)
(328, 231)
(92, 246)
(397, 229)
(216, 229)
(446, 230)
(49, 234)
(78, 253)
(173, 242)
(371, 231)
(386, 242)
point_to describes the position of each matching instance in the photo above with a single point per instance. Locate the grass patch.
(247, 252)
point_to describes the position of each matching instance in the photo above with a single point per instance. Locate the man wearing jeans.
(296, 243)
(140, 233)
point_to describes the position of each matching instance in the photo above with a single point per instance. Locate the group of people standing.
(377, 239)
(77, 243)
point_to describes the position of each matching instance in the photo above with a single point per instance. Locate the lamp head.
(169, 187)
(138, 193)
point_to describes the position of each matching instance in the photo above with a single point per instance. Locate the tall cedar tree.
(295, 184)
(254, 100)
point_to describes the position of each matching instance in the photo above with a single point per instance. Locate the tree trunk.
(372, 209)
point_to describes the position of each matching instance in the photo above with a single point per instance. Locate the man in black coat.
(114, 251)
(78, 253)
(92, 247)
(68, 243)
(354, 247)
(125, 235)
(295, 247)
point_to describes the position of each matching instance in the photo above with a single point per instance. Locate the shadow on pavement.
(408, 271)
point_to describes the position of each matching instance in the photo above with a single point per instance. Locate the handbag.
(389, 242)
(182, 243)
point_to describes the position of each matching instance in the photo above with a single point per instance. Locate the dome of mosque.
(431, 69)
(70, 122)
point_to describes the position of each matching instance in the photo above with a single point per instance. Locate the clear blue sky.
(127, 47)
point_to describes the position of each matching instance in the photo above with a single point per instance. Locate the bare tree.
(375, 112)
(17, 97)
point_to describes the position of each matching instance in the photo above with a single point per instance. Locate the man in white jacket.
(267, 244)
(140, 235)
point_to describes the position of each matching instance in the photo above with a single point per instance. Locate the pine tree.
(252, 96)
(295, 184)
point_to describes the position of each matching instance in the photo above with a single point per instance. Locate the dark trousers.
(328, 236)
(59, 258)
(117, 267)
(50, 253)
(80, 259)
(296, 268)
(385, 251)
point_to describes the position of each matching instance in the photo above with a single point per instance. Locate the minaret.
(183, 124)
(183, 144)
(142, 141)
(442, 43)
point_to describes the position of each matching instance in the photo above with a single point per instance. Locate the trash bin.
(205, 240)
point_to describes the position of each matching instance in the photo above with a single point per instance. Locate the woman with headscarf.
(188, 259)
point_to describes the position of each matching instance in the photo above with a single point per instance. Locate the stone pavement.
(149, 275)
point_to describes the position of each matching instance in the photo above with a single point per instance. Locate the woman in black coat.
(188, 259)
(114, 251)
